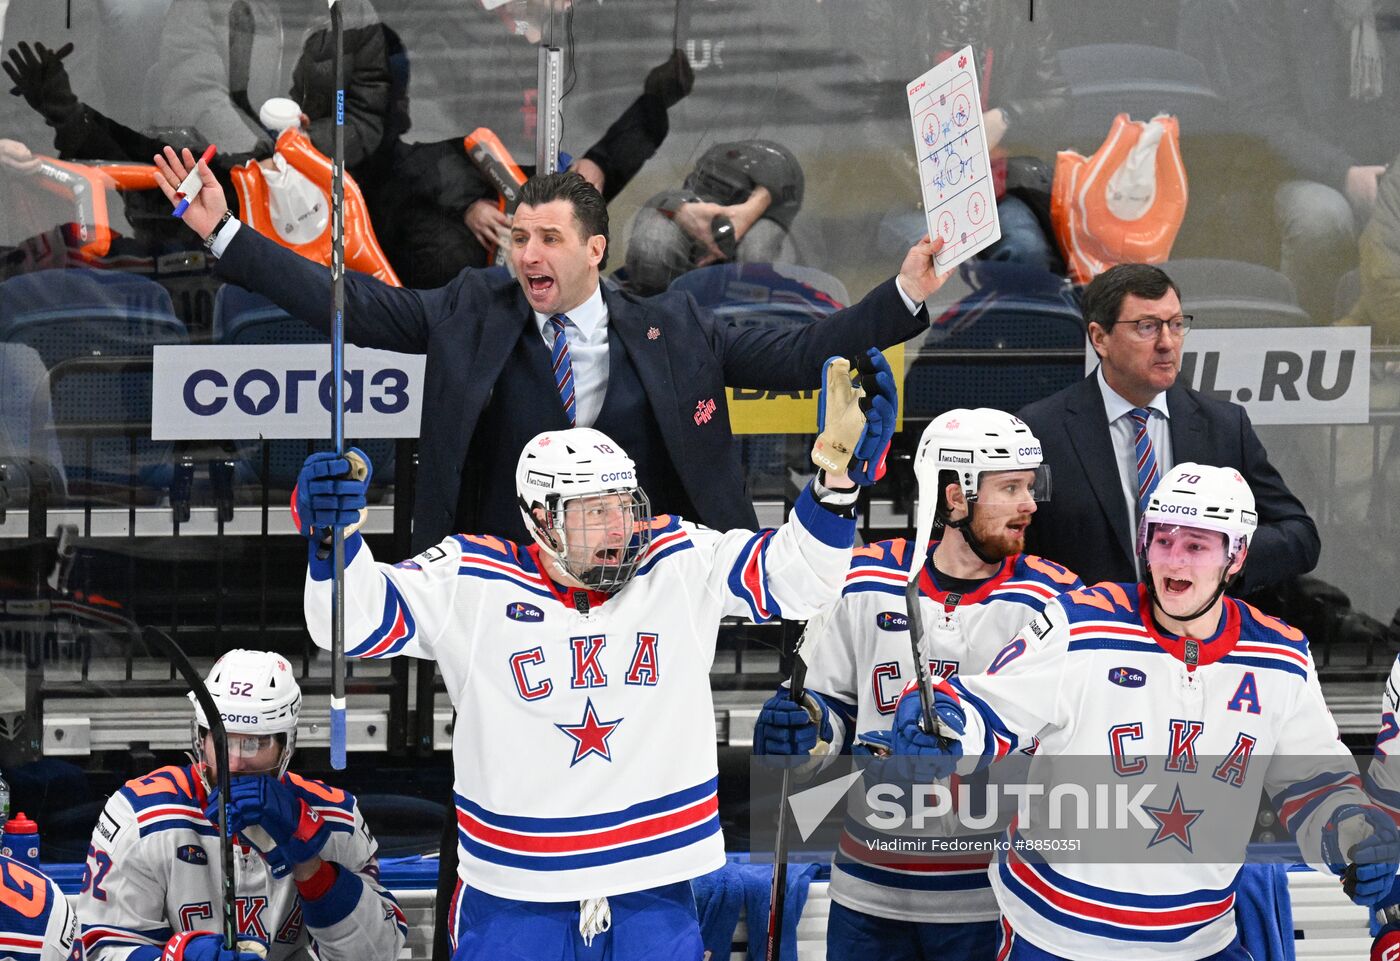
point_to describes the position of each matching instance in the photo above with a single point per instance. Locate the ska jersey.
(584, 748)
(1383, 775)
(1097, 683)
(860, 656)
(36, 921)
(154, 870)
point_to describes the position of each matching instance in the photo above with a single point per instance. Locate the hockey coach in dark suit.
(508, 358)
(1109, 439)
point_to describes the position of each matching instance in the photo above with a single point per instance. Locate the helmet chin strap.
(973, 542)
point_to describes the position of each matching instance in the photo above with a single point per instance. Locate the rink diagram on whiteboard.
(954, 168)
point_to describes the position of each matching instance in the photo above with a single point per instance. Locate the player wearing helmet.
(1195, 699)
(585, 768)
(307, 889)
(980, 479)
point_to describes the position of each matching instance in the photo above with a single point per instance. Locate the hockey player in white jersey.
(584, 749)
(1161, 680)
(977, 590)
(153, 885)
(36, 921)
(1383, 785)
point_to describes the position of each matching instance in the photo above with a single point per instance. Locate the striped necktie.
(563, 368)
(1146, 457)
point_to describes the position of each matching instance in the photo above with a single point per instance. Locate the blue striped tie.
(1146, 457)
(563, 368)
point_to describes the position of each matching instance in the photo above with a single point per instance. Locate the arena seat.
(1230, 293)
(29, 450)
(101, 326)
(1107, 79)
(992, 307)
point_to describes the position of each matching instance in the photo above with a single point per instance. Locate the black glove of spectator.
(40, 77)
(670, 81)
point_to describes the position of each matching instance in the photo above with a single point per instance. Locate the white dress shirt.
(1124, 433)
(587, 332)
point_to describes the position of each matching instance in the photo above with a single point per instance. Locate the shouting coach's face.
(556, 264)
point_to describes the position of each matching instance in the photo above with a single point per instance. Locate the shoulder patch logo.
(520, 611)
(107, 827)
(1039, 625)
(192, 854)
(890, 621)
(1127, 677)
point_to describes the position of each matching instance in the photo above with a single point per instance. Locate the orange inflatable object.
(87, 185)
(362, 250)
(1125, 203)
(494, 161)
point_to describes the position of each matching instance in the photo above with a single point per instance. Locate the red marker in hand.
(191, 184)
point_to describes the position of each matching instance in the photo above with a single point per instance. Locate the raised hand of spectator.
(17, 157)
(488, 224)
(41, 79)
(208, 206)
(918, 275)
(670, 80)
(1361, 186)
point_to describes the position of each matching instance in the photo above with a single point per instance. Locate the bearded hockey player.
(1173, 684)
(154, 875)
(584, 749)
(977, 590)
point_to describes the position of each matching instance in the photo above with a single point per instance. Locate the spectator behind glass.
(1025, 98)
(737, 205)
(1332, 116)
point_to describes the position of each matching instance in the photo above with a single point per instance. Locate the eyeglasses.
(1149, 327)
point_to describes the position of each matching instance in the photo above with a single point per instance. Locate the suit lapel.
(627, 326)
(1087, 426)
(1188, 428)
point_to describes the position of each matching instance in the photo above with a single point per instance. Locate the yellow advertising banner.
(794, 411)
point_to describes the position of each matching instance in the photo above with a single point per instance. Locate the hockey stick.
(777, 894)
(338, 377)
(216, 727)
(927, 487)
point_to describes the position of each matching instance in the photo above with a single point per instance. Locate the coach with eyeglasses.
(1131, 413)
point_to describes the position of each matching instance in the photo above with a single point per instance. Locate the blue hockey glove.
(1360, 843)
(208, 946)
(296, 829)
(330, 492)
(910, 739)
(880, 403)
(786, 727)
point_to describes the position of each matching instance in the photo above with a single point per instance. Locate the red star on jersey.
(1174, 822)
(590, 735)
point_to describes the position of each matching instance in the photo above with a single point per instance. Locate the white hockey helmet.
(973, 442)
(561, 465)
(256, 692)
(1205, 497)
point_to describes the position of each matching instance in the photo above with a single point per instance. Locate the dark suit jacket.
(1085, 524)
(468, 328)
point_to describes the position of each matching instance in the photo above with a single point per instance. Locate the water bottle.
(4, 803)
(21, 840)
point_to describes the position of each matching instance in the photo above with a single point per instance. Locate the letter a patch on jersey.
(1246, 695)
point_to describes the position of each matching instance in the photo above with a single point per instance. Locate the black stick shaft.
(338, 375)
(220, 737)
(777, 894)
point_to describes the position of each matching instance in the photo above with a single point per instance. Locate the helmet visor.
(1012, 489)
(1177, 547)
